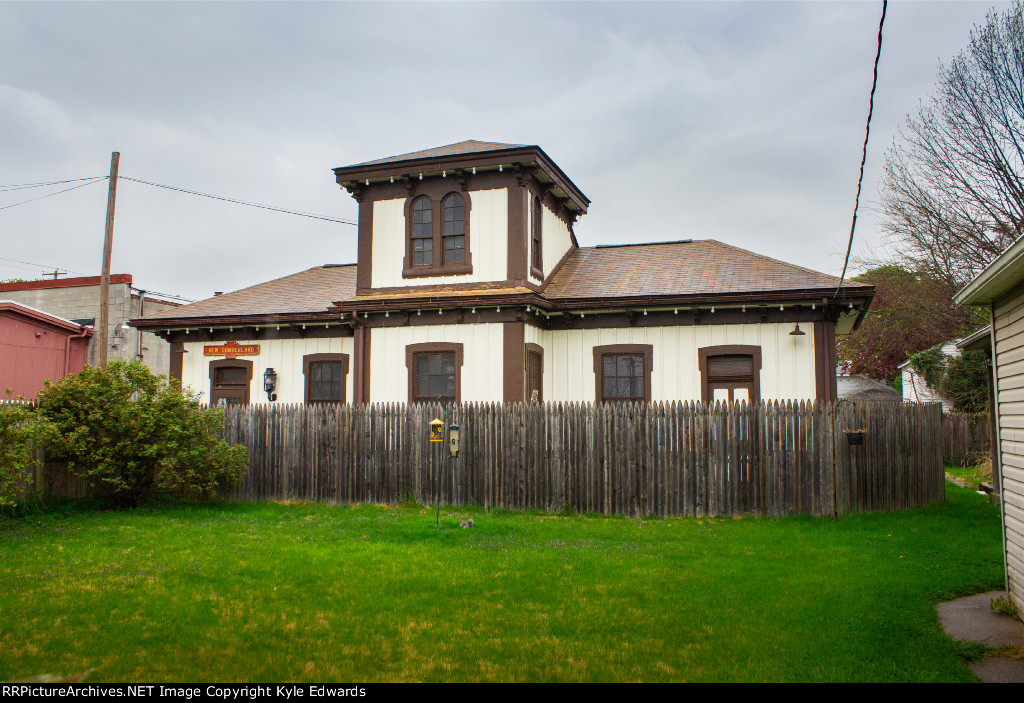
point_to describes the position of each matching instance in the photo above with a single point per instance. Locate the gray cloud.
(737, 121)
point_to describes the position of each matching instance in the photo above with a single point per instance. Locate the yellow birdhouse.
(436, 430)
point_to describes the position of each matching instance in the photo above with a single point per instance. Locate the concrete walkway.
(972, 618)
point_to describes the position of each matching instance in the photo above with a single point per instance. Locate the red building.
(36, 346)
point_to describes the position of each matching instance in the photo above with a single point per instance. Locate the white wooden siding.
(283, 355)
(1009, 338)
(482, 352)
(556, 239)
(787, 362)
(488, 241)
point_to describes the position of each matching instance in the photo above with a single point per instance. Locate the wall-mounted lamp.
(270, 384)
(797, 332)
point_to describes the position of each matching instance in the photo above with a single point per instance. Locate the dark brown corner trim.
(727, 350)
(825, 384)
(599, 351)
(308, 359)
(513, 361)
(412, 349)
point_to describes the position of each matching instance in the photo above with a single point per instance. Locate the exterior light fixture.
(474, 170)
(387, 314)
(421, 176)
(645, 312)
(812, 306)
(797, 332)
(439, 311)
(270, 384)
(473, 311)
(392, 179)
(781, 308)
(501, 168)
(444, 174)
(744, 308)
(367, 181)
(499, 309)
(419, 312)
(712, 310)
(675, 311)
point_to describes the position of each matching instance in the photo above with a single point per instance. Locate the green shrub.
(20, 429)
(133, 433)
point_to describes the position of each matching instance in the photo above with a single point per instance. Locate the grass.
(270, 592)
(972, 475)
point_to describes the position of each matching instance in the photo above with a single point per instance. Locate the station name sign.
(231, 350)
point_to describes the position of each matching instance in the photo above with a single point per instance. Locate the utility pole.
(102, 331)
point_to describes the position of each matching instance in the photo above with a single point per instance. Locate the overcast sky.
(736, 121)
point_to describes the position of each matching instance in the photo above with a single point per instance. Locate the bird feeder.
(436, 430)
(453, 439)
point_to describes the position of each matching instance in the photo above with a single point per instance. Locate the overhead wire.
(22, 186)
(241, 202)
(50, 195)
(864, 153)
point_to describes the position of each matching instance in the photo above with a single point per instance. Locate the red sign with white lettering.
(231, 349)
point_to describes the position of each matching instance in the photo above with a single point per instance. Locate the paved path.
(972, 618)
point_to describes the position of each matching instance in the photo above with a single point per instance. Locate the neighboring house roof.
(470, 146)
(979, 341)
(609, 276)
(864, 388)
(1005, 272)
(48, 283)
(303, 295)
(45, 317)
(688, 268)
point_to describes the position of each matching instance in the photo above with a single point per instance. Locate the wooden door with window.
(229, 382)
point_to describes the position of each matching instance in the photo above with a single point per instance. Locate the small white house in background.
(1001, 287)
(857, 387)
(470, 285)
(917, 391)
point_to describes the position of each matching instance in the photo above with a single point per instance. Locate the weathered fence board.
(660, 459)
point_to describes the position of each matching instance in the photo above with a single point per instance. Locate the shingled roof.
(308, 293)
(470, 146)
(702, 267)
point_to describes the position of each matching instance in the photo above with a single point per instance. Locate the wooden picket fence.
(658, 459)
(966, 438)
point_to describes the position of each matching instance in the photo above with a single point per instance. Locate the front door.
(229, 382)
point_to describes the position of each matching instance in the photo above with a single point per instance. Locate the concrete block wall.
(82, 303)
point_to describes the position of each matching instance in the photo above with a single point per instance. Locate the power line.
(864, 154)
(50, 195)
(241, 202)
(22, 186)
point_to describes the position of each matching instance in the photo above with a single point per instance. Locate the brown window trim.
(309, 359)
(646, 349)
(411, 350)
(729, 350)
(437, 192)
(536, 227)
(222, 363)
(536, 348)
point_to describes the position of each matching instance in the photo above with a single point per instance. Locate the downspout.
(142, 311)
(999, 440)
(67, 348)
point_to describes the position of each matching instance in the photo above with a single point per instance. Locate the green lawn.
(268, 592)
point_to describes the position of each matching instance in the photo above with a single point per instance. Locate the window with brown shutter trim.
(437, 224)
(534, 372)
(435, 372)
(730, 373)
(537, 243)
(326, 377)
(623, 372)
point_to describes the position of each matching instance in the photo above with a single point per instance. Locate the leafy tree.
(965, 382)
(20, 430)
(952, 189)
(909, 313)
(134, 433)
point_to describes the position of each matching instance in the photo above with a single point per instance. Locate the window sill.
(433, 271)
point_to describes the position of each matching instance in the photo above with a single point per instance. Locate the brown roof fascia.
(236, 320)
(65, 282)
(45, 318)
(815, 295)
(352, 175)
